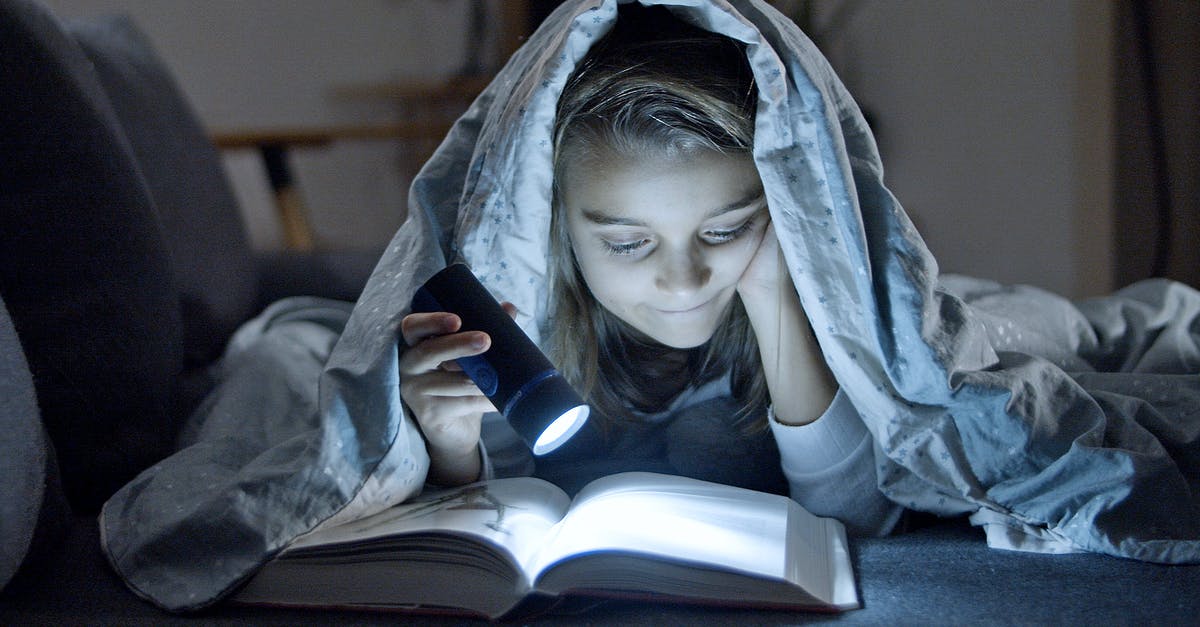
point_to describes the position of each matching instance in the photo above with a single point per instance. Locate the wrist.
(454, 466)
(798, 410)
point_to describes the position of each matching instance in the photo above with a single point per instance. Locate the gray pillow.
(84, 270)
(26, 459)
(214, 268)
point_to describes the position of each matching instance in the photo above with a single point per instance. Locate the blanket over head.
(1058, 426)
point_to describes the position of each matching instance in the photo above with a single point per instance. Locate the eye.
(624, 248)
(722, 236)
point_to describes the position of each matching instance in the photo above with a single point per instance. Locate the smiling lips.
(679, 312)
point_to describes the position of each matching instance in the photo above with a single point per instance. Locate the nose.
(682, 272)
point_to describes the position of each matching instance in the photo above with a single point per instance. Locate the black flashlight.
(514, 374)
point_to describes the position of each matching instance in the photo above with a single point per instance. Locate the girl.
(673, 314)
(693, 221)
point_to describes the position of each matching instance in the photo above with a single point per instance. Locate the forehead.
(622, 188)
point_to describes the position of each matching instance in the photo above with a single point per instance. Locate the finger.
(461, 407)
(768, 247)
(443, 383)
(430, 353)
(441, 414)
(769, 238)
(509, 309)
(418, 326)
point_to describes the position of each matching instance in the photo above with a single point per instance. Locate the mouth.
(685, 310)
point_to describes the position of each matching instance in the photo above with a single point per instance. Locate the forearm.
(799, 382)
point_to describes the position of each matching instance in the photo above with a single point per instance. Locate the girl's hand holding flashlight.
(448, 406)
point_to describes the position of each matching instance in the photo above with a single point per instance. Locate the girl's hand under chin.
(766, 272)
(799, 382)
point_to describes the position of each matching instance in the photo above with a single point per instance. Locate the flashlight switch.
(481, 372)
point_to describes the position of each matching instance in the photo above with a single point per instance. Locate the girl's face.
(662, 243)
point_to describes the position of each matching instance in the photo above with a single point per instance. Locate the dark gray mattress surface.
(942, 573)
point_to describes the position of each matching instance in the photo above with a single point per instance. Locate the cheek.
(601, 275)
(611, 292)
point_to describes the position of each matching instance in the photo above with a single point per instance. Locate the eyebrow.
(606, 219)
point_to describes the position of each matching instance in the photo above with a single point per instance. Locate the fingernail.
(478, 341)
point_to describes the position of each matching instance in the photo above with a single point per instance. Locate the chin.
(682, 341)
(683, 334)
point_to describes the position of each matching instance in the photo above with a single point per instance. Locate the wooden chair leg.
(293, 217)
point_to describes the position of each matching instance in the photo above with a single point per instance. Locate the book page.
(676, 518)
(684, 537)
(514, 514)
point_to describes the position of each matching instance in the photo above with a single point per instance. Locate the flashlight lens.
(561, 429)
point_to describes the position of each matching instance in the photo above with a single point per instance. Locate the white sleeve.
(830, 469)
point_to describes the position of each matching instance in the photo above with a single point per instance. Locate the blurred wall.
(995, 122)
(994, 118)
(1157, 218)
(278, 63)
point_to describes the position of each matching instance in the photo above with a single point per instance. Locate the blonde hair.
(653, 86)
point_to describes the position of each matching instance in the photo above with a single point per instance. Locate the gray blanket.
(1058, 426)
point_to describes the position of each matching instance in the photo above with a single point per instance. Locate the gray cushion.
(24, 455)
(215, 271)
(84, 271)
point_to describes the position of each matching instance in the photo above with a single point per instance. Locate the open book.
(488, 547)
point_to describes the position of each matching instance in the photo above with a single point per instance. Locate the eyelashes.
(626, 248)
(711, 236)
(723, 236)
